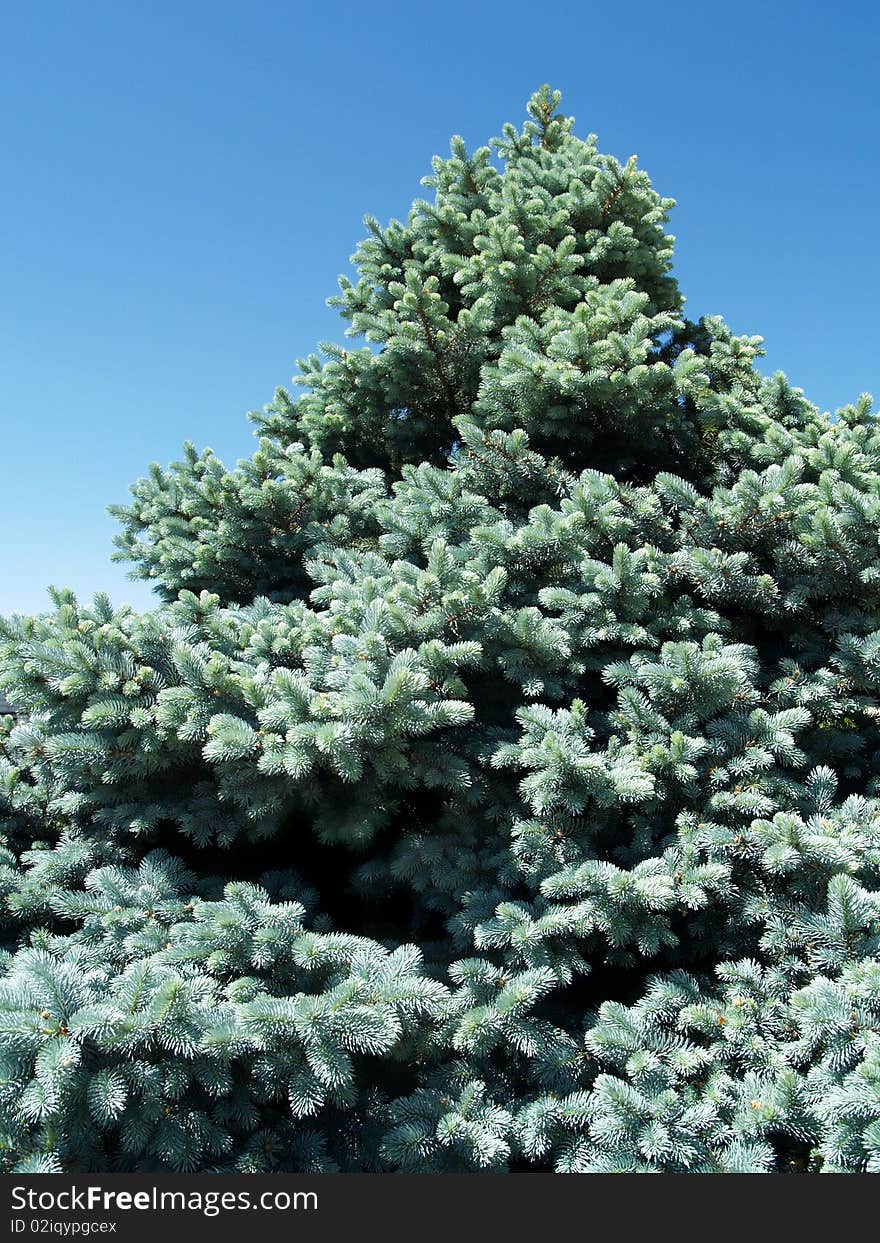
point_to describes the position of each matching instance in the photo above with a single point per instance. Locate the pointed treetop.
(546, 127)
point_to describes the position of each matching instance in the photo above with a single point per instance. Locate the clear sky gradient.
(184, 181)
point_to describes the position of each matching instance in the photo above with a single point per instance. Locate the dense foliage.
(496, 787)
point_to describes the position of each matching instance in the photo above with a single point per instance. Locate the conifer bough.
(496, 785)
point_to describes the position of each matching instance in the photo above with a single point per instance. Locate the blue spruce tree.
(495, 786)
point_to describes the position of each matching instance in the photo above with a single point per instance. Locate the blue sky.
(184, 181)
